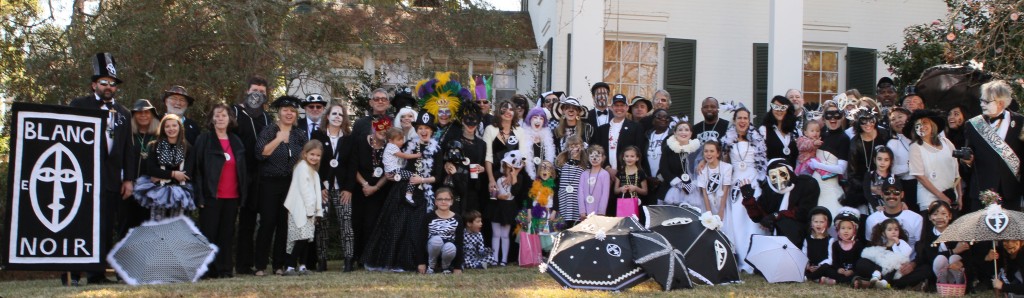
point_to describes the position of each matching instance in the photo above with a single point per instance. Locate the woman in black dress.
(145, 122)
(397, 241)
(779, 130)
(465, 175)
(501, 137)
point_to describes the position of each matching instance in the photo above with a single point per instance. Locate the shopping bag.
(626, 207)
(529, 249)
(546, 238)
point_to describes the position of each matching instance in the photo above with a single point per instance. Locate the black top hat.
(425, 118)
(103, 65)
(619, 98)
(885, 82)
(403, 98)
(593, 88)
(935, 116)
(143, 105)
(178, 90)
(313, 98)
(910, 90)
(286, 101)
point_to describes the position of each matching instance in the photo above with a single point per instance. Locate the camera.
(963, 153)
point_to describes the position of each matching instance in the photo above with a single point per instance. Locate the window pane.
(630, 51)
(649, 52)
(611, 50)
(811, 98)
(830, 61)
(483, 67)
(829, 82)
(648, 74)
(811, 81)
(628, 90)
(645, 90)
(812, 60)
(630, 73)
(611, 72)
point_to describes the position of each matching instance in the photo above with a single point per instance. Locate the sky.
(505, 4)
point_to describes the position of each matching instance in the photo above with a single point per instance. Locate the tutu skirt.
(166, 196)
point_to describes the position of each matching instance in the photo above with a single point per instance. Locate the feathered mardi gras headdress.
(481, 87)
(441, 93)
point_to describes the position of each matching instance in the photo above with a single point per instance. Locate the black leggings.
(299, 254)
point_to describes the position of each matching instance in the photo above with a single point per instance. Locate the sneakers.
(875, 276)
(882, 284)
(408, 198)
(291, 272)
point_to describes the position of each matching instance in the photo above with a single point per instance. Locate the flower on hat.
(710, 221)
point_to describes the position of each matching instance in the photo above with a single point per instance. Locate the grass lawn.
(495, 282)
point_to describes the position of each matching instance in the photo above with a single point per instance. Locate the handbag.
(529, 249)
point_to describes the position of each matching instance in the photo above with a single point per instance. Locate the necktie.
(313, 127)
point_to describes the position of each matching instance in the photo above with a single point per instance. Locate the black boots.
(348, 265)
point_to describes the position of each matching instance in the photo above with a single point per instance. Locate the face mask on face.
(779, 180)
(917, 129)
(255, 100)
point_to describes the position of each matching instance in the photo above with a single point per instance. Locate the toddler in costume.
(808, 145)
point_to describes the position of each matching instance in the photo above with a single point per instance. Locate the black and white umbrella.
(661, 260)
(707, 253)
(596, 255)
(167, 251)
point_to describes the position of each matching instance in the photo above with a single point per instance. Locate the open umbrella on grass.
(167, 251)
(596, 255)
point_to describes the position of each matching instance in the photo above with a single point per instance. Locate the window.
(631, 67)
(504, 81)
(821, 75)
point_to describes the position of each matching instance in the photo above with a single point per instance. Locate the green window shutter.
(760, 98)
(861, 64)
(680, 74)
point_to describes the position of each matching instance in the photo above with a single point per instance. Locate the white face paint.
(918, 130)
(335, 116)
(537, 121)
(990, 107)
(595, 157)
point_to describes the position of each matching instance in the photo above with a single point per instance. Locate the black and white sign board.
(54, 195)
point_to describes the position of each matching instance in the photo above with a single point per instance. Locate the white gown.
(737, 226)
(830, 189)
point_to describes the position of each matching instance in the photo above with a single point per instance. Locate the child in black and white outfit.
(478, 255)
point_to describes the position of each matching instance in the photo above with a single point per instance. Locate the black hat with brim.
(425, 119)
(286, 101)
(823, 211)
(143, 105)
(935, 116)
(178, 90)
(104, 65)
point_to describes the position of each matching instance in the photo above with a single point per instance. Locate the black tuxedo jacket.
(592, 116)
(114, 161)
(629, 135)
(988, 161)
(192, 130)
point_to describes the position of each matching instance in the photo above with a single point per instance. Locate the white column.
(587, 52)
(785, 46)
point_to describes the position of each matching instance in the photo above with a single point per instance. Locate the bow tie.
(993, 119)
(602, 113)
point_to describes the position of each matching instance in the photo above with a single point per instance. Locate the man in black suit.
(995, 139)
(314, 105)
(177, 101)
(600, 114)
(117, 136)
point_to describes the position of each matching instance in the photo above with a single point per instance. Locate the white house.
(742, 50)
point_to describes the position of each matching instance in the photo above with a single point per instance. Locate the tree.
(990, 32)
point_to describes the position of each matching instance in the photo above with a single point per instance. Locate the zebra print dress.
(568, 196)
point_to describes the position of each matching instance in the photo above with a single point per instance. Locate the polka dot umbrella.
(596, 255)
